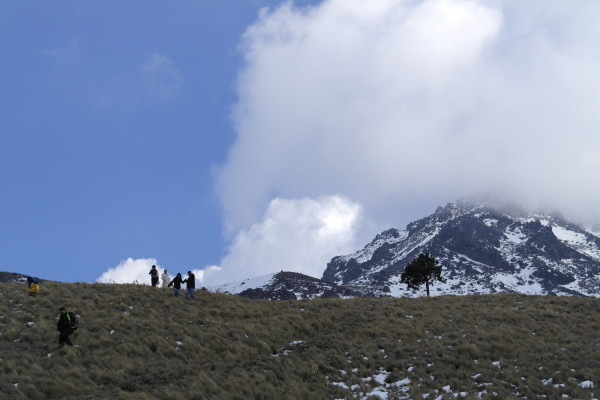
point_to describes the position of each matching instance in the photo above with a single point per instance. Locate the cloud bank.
(400, 106)
(130, 271)
(396, 103)
(294, 235)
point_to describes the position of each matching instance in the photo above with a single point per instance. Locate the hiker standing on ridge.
(191, 285)
(165, 278)
(67, 323)
(176, 283)
(154, 274)
(33, 285)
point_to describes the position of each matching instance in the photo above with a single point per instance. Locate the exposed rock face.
(293, 286)
(483, 247)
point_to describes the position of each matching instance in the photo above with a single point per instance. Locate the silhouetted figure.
(191, 285)
(154, 274)
(67, 324)
(176, 283)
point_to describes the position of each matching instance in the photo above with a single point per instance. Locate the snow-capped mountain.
(484, 247)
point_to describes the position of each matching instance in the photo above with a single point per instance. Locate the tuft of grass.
(138, 342)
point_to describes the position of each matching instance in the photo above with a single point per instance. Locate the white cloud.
(402, 106)
(208, 275)
(333, 99)
(130, 271)
(299, 235)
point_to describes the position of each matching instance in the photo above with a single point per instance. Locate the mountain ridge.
(484, 247)
(286, 285)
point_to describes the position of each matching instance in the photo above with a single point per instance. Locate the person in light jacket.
(165, 278)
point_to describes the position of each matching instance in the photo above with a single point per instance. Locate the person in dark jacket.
(176, 283)
(154, 274)
(191, 285)
(67, 324)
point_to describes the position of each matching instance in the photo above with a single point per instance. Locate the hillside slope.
(138, 342)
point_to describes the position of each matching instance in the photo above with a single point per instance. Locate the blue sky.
(213, 136)
(114, 116)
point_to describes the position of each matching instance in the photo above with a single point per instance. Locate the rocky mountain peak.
(485, 245)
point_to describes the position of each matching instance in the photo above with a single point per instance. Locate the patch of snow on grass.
(402, 382)
(587, 384)
(381, 376)
(379, 392)
(340, 384)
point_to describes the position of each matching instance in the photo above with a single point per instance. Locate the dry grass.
(138, 342)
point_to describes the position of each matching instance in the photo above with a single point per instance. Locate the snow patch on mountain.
(578, 241)
(239, 286)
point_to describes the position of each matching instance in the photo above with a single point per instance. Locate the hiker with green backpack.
(67, 324)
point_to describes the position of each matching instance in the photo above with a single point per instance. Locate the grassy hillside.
(138, 342)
